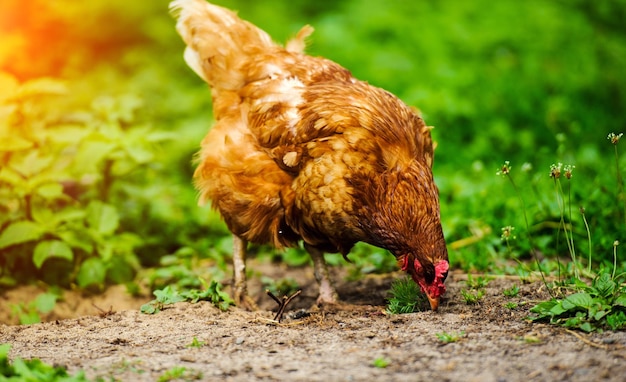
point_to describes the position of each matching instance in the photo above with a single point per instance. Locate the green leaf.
(168, 295)
(90, 153)
(14, 143)
(41, 86)
(577, 300)
(20, 232)
(31, 163)
(587, 327)
(92, 272)
(10, 176)
(557, 309)
(102, 217)
(50, 191)
(51, 248)
(544, 307)
(604, 285)
(77, 239)
(45, 302)
(620, 300)
(67, 134)
(4, 351)
(150, 308)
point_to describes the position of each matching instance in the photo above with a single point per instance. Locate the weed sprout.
(556, 170)
(614, 138)
(505, 170)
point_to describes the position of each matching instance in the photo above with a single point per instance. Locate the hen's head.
(429, 276)
(402, 215)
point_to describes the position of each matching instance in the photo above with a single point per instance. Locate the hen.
(303, 151)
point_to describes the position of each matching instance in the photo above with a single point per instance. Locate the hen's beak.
(434, 302)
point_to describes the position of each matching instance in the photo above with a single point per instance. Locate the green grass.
(447, 338)
(405, 297)
(577, 302)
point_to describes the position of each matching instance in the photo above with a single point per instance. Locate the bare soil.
(339, 343)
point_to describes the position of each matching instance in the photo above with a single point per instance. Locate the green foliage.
(602, 305)
(472, 297)
(479, 282)
(30, 312)
(33, 370)
(406, 297)
(380, 362)
(511, 292)
(195, 343)
(56, 180)
(169, 295)
(180, 373)
(447, 338)
(599, 305)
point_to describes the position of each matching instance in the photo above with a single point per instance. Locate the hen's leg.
(328, 295)
(240, 288)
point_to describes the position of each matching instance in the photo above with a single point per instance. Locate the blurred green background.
(100, 118)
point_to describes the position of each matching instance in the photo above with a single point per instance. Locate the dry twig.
(583, 339)
(282, 304)
(104, 313)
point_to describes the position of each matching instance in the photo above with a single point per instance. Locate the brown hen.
(303, 151)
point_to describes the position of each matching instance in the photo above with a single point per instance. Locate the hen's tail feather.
(218, 41)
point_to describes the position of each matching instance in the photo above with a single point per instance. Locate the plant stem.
(582, 211)
(620, 183)
(569, 236)
(530, 236)
(614, 260)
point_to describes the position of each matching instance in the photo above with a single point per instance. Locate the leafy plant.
(33, 370)
(511, 292)
(195, 343)
(406, 297)
(168, 296)
(447, 338)
(589, 307)
(56, 183)
(180, 372)
(30, 312)
(602, 305)
(478, 283)
(472, 296)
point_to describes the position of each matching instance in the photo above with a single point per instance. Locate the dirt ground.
(341, 343)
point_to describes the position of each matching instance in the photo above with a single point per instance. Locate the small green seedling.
(195, 343)
(512, 291)
(477, 283)
(380, 362)
(472, 296)
(511, 305)
(180, 372)
(447, 338)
